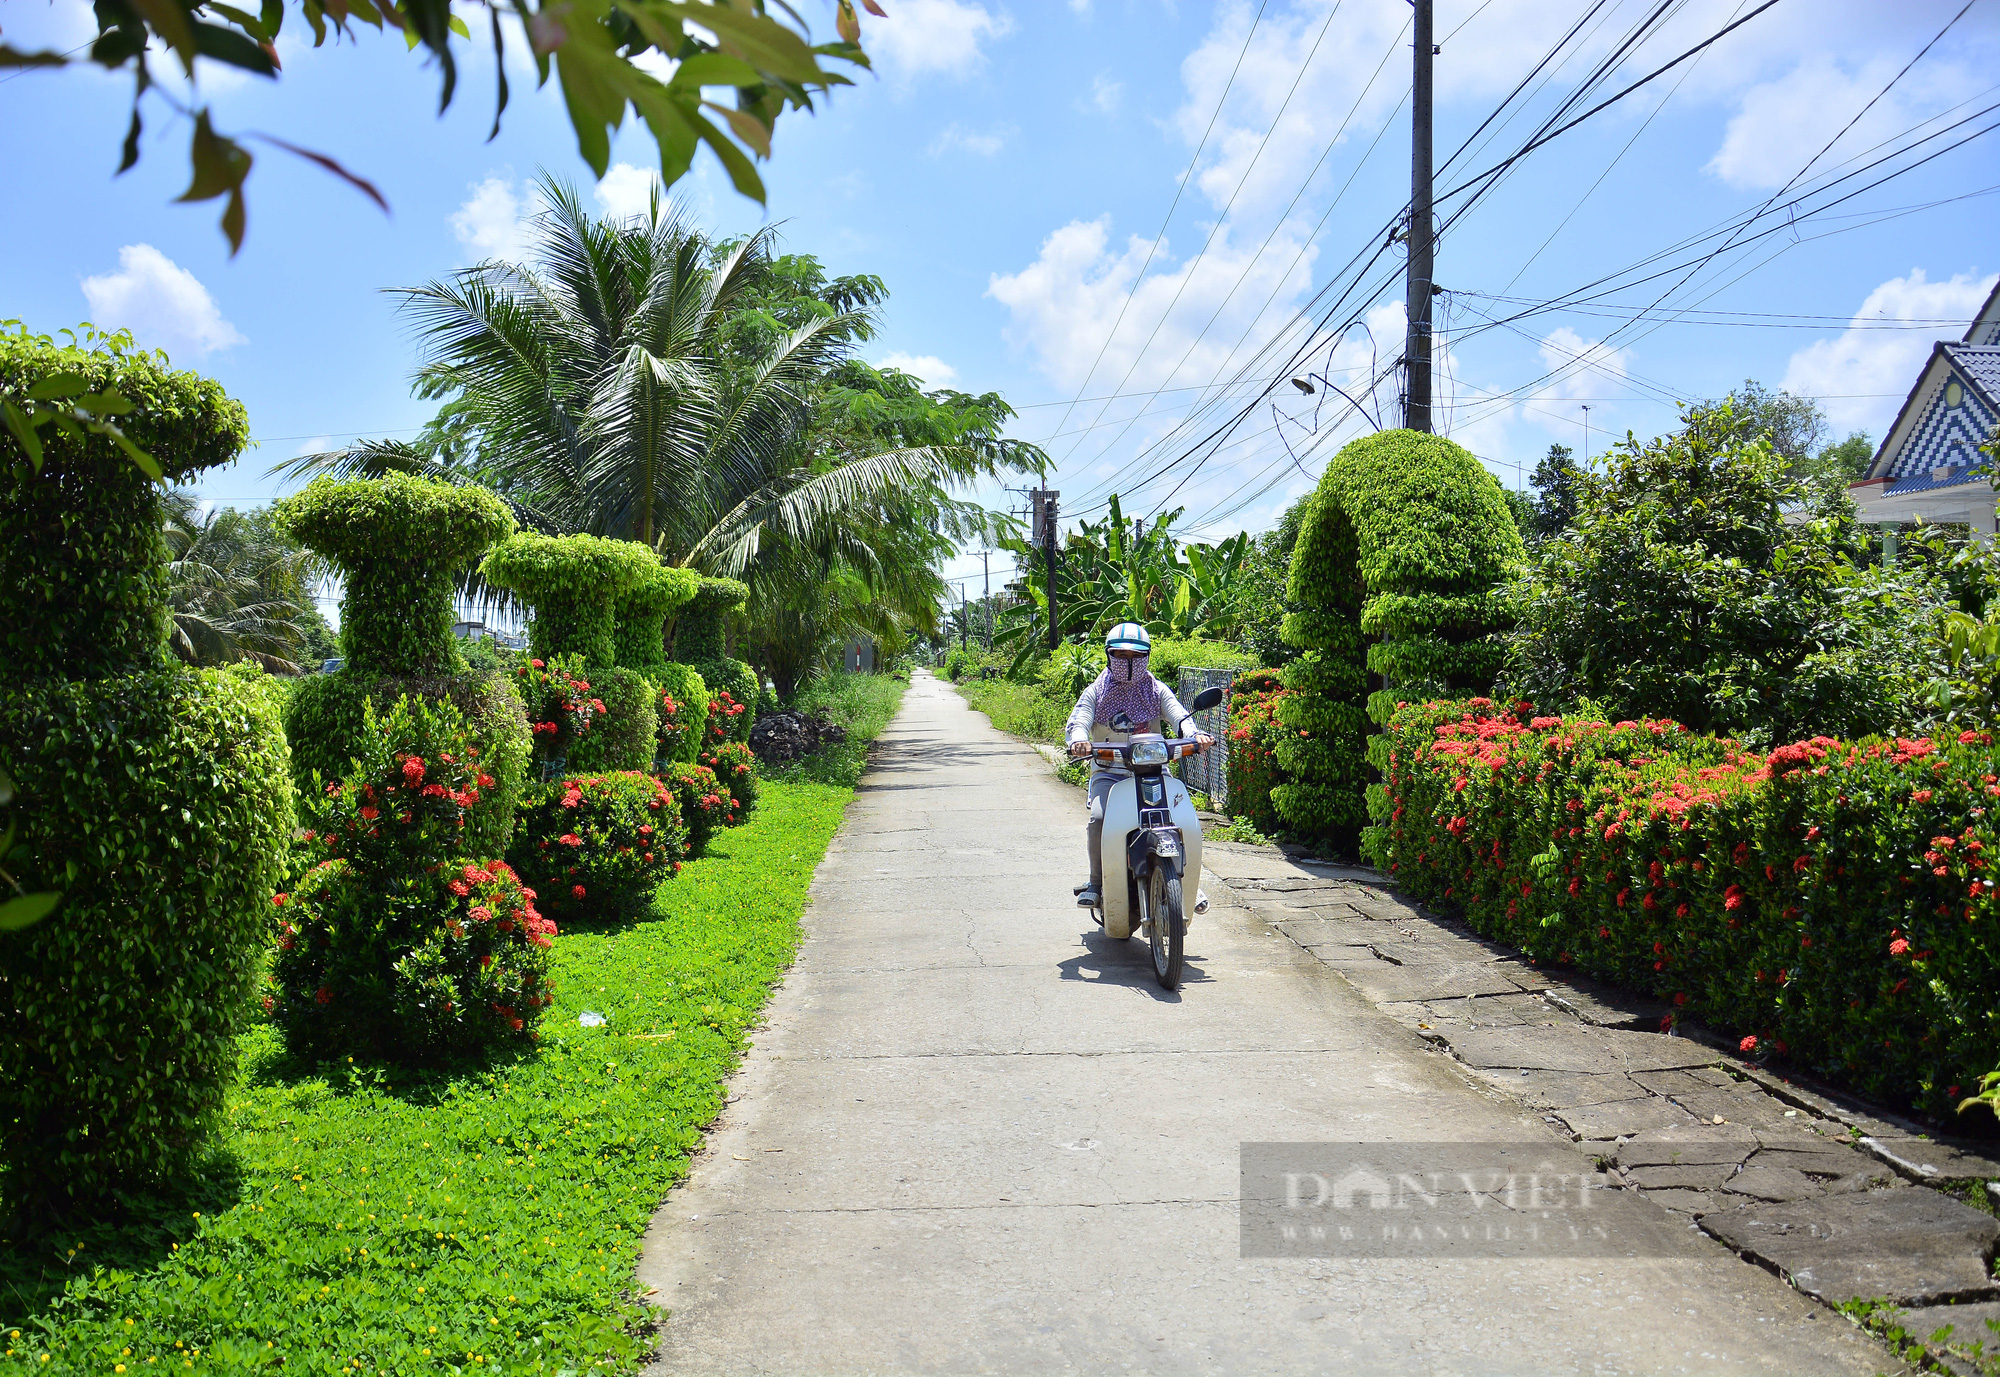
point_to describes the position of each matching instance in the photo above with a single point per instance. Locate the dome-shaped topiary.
(699, 640)
(399, 542)
(642, 611)
(1397, 574)
(573, 584)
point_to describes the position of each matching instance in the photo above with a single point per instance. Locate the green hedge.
(597, 846)
(573, 584)
(1828, 903)
(400, 543)
(699, 641)
(704, 803)
(640, 616)
(1170, 656)
(1395, 574)
(681, 730)
(156, 798)
(736, 769)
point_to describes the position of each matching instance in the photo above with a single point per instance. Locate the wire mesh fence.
(1209, 771)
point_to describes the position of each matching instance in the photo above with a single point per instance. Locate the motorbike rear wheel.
(1163, 906)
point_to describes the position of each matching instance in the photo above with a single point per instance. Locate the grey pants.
(1100, 788)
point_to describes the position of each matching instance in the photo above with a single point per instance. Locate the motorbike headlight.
(1149, 753)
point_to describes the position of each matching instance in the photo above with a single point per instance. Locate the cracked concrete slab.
(976, 1138)
(1913, 1246)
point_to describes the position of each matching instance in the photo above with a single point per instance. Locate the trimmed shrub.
(399, 543)
(699, 641)
(1170, 656)
(1827, 902)
(560, 708)
(641, 612)
(597, 846)
(725, 714)
(683, 712)
(705, 805)
(1254, 733)
(573, 584)
(735, 766)
(1394, 575)
(156, 798)
(394, 945)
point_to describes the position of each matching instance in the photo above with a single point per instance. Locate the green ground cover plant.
(1827, 903)
(1022, 710)
(419, 1222)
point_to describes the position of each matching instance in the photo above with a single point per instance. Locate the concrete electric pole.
(1419, 289)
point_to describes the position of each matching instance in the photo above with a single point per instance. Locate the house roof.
(1977, 365)
(1985, 327)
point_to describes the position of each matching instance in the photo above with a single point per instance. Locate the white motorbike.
(1152, 842)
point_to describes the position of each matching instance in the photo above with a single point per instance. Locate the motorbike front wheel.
(1163, 906)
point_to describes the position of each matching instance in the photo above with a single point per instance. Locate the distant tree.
(1844, 462)
(1794, 426)
(1264, 574)
(1558, 480)
(235, 589)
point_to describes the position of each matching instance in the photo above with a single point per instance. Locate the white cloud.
(626, 192)
(1105, 94)
(956, 138)
(1862, 360)
(922, 36)
(934, 371)
(493, 222)
(161, 303)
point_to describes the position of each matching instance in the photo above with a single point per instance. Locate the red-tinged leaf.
(359, 183)
(848, 22)
(874, 9)
(220, 164)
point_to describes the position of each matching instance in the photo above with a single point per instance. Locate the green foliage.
(626, 735)
(1171, 655)
(1405, 542)
(1069, 670)
(860, 703)
(541, 1174)
(597, 57)
(83, 572)
(1254, 734)
(400, 543)
(684, 724)
(160, 802)
(399, 943)
(1022, 710)
(237, 589)
(326, 719)
(1825, 903)
(736, 769)
(484, 655)
(1559, 482)
(704, 804)
(1703, 582)
(595, 847)
(642, 610)
(572, 584)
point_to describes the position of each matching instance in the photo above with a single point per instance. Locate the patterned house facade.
(1923, 471)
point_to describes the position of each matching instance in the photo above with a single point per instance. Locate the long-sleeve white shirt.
(1172, 719)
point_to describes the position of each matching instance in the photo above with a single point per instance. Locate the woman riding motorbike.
(1126, 686)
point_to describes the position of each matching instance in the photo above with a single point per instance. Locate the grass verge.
(862, 703)
(377, 1219)
(1018, 709)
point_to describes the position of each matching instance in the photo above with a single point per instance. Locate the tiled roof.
(1980, 364)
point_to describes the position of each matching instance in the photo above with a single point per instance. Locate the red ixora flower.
(281, 899)
(1898, 947)
(370, 814)
(413, 770)
(570, 839)
(576, 891)
(1748, 1044)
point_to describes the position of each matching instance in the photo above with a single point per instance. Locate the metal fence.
(1209, 771)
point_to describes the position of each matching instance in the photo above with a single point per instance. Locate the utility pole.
(964, 617)
(987, 573)
(1419, 288)
(1045, 534)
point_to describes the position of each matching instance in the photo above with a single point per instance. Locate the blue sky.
(1009, 171)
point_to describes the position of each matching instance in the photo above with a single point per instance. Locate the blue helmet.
(1128, 636)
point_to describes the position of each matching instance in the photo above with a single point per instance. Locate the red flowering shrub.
(597, 846)
(725, 716)
(1253, 740)
(1829, 901)
(394, 943)
(735, 768)
(560, 708)
(706, 806)
(679, 719)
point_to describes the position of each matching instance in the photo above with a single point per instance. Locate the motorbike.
(1152, 840)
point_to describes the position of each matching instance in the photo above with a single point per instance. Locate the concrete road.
(977, 1137)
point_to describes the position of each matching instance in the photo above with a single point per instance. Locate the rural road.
(977, 1137)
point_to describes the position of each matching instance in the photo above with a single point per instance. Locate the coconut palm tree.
(235, 589)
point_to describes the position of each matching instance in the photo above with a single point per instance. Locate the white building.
(1923, 471)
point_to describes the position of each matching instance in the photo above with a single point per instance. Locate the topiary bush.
(156, 798)
(400, 544)
(735, 766)
(699, 640)
(683, 713)
(1254, 734)
(573, 584)
(597, 846)
(705, 805)
(397, 943)
(1395, 582)
(680, 697)
(725, 714)
(560, 708)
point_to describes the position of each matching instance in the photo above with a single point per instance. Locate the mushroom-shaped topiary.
(680, 695)
(573, 584)
(400, 542)
(699, 641)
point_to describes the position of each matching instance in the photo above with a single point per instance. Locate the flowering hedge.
(1827, 902)
(1254, 731)
(683, 718)
(725, 714)
(558, 702)
(597, 846)
(706, 806)
(397, 943)
(735, 766)
(700, 640)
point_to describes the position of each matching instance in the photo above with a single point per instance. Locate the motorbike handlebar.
(1178, 747)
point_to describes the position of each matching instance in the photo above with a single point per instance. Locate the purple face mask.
(1128, 686)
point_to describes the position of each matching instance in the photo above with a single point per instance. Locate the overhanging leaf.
(27, 910)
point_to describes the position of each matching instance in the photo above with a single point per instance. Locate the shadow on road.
(1129, 964)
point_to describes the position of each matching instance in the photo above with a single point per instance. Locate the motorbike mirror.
(1206, 699)
(1122, 723)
